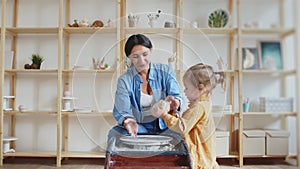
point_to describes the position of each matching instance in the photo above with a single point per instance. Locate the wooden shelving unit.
(280, 32)
(234, 33)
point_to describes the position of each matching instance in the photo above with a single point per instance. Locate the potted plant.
(36, 61)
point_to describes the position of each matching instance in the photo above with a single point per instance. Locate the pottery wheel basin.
(146, 140)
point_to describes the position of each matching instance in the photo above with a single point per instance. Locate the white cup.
(67, 104)
(5, 104)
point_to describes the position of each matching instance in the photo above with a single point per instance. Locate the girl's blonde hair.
(203, 76)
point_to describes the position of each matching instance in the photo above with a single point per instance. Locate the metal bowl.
(147, 142)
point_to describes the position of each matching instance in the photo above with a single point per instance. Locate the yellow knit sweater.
(198, 130)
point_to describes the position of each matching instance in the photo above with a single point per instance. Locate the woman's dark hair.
(137, 39)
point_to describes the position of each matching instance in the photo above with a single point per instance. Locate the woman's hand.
(131, 126)
(175, 103)
(160, 108)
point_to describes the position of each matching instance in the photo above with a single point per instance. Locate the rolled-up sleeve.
(187, 121)
(173, 88)
(122, 106)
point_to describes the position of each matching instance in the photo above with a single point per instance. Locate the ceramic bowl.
(218, 19)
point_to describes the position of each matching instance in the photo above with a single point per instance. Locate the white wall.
(38, 92)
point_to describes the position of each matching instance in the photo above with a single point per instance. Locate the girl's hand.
(160, 108)
(131, 126)
(175, 103)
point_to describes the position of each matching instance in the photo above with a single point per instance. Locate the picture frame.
(270, 54)
(250, 60)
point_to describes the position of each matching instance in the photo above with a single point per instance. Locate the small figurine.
(75, 24)
(97, 23)
(133, 20)
(153, 19)
(83, 23)
(104, 66)
(97, 64)
(110, 23)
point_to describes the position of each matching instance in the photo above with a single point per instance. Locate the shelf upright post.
(66, 77)
(13, 76)
(59, 84)
(178, 44)
(297, 61)
(121, 36)
(3, 29)
(240, 90)
(231, 64)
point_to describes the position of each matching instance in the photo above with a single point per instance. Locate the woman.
(140, 87)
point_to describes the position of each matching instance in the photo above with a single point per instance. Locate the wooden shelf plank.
(90, 71)
(219, 71)
(279, 31)
(89, 30)
(82, 113)
(32, 30)
(104, 113)
(32, 71)
(152, 30)
(56, 71)
(78, 154)
(222, 31)
(228, 156)
(265, 156)
(31, 154)
(30, 112)
(269, 113)
(262, 71)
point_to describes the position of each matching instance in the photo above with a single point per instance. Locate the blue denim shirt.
(163, 83)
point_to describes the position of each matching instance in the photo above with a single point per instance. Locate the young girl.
(195, 124)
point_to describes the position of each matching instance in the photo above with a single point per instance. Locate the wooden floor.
(49, 163)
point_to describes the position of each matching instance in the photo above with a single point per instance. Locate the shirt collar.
(151, 72)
